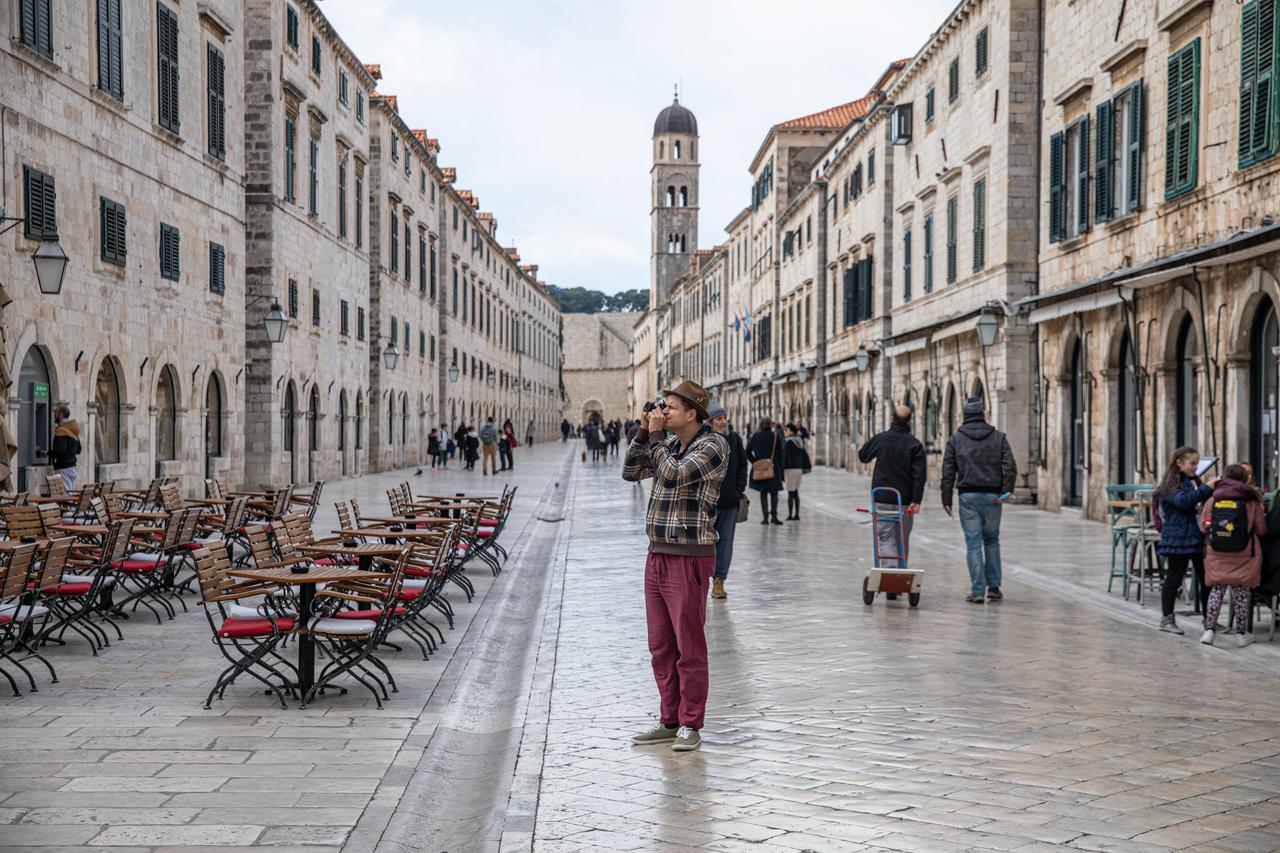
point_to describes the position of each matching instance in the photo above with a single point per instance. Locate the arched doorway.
(106, 395)
(313, 432)
(166, 417)
(213, 414)
(1262, 395)
(1126, 415)
(35, 414)
(1076, 426)
(290, 425)
(1186, 393)
(592, 412)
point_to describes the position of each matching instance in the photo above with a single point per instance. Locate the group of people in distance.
(493, 443)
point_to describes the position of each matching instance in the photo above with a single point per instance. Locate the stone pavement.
(1056, 719)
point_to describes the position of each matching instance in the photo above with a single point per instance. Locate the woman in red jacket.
(1233, 520)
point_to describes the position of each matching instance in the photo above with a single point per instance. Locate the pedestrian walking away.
(1233, 520)
(528, 434)
(795, 464)
(979, 464)
(1175, 504)
(433, 447)
(565, 429)
(732, 493)
(764, 453)
(66, 447)
(900, 465)
(489, 445)
(687, 460)
(471, 445)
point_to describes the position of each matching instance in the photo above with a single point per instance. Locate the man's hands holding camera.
(654, 416)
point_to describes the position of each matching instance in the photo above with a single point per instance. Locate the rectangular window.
(928, 105)
(395, 148)
(360, 106)
(167, 67)
(1182, 121)
(41, 204)
(313, 171)
(422, 264)
(408, 350)
(315, 55)
(291, 26)
(953, 81)
(216, 84)
(455, 291)
(433, 272)
(395, 330)
(422, 345)
(344, 318)
(359, 200)
(928, 252)
(110, 45)
(850, 300)
(290, 137)
(979, 225)
(1127, 120)
(217, 268)
(293, 298)
(408, 251)
(1258, 39)
(315, 307)
(170, 267)
(980, 53)
(871, 167)
(953, 227)
(906, 265)
(344, 96)
(359, 323)
(408, 161)
(37, 26)
(111, 224)
(395, 242)
(342, 198)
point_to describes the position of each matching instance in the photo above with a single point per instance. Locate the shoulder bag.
(762, 469)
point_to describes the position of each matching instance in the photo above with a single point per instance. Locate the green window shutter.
(953, 80)
(110, 71)
(40, 204)
(928, 253)
(953, 216)
(1182, 135)
(217, 268)
(36, 25)
(290, 133)
(1057, 186)
(1105, 156)
(293, 297)
(847, 282)
(408, 251)
(313, 171)
(168, 68)
(1082, 176)
(906, 264)
(1137, 107)
(1248, 79)
(216, 82)
(1256, 131)
(315, 307)
(111, 220)
(291, 26)
(979, 224)
(980, 53)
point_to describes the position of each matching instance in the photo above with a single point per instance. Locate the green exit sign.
(39, 391)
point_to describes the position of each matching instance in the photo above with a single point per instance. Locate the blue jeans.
(980, 521)
(726, 524)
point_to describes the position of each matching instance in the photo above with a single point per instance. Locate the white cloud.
(546, 108)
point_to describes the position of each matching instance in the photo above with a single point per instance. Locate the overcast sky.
(546, 107)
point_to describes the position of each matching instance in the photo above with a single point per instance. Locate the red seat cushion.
(194, 546)
(136, 565)
(368, 615)
(4, 619)
(253, 627)
(415, 572)
(484, 534)
(409, 594)
(323, 561)
(68, 588)
(488, 522)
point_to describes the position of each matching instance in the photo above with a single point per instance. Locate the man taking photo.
(687, 460)
(899, 458)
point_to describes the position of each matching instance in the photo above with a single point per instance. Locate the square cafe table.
(364, 551)
(306, 595)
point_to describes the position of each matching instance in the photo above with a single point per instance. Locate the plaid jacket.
(686, 486)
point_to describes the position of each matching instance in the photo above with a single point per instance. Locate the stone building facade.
(199, 163)
(597, 366)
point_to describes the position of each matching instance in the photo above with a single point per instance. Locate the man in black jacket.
(732, 488)
(900, 465)
(979, 464)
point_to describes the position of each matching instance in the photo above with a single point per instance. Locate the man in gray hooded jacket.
(979, 465)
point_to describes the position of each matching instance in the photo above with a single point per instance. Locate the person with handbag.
(731, 507)
(795, 463)
(764, 452)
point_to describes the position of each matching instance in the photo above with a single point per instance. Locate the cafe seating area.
(294, 613)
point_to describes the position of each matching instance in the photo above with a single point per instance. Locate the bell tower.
(673, 190)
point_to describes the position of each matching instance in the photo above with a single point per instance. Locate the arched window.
(290, 415)
(1186, 396)
(1126, 420)
(683, 248)
(107, 397)
(359, 420)
(35, 415)
(1077, 426)
(313, 420)
(213, 403)
(404, 418)
(391, 419)
(675, 149)
(1262, 395)
(855, 423)
(342, 420)
(684, 196)
(671, 196)
(662, 150)
(167, 415)
(930, 419)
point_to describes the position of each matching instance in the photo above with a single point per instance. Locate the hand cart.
(889, 573)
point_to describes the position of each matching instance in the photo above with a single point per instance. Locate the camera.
(660, 403)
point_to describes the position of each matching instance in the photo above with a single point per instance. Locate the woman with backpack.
(1177, 500)
(1233, 520)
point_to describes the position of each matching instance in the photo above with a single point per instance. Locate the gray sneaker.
(1170, 626)
(657, 734)
(687, 740)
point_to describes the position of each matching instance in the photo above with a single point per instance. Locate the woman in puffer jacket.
(1177, 499)
(1233, 557)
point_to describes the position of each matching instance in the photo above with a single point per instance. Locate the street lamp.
(741, 386)
(275, 323)
(802, 374)
(453, 373)
(51, 265)
(987, 327)
(492, 379)
(862, 359)
(390, 355)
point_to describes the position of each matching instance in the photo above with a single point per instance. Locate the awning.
(1078, 305)
(968, 324)
(912, 345)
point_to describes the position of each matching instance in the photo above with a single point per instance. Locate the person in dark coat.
(765, 444)
(795, 464)
(900, 465)
(732, 489)
(1232, 563)
(433, 447)
(66, 447)
(1177, 499)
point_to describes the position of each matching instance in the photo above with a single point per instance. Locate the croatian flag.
(737, 323)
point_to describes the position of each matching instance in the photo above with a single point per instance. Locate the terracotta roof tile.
(421, 136)
(375, 71)
(835, 117)
(450, 174)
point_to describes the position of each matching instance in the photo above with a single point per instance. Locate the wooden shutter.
(1257, 135)
(217, 268)
(1105, 155)
(104, 45)
(860, 287)
(1182, 121)
(167, 62)
(849, 310)
(906, 264)
(928, 253)
(953, 79)
(1133, 148)
(980, 53)
(36, 23)
(111, 219)
(1082, 175)
(217, 103)
(1248, 79)
(953, 215)
(40, 198)
(315, 307)
(27, 24)
(1057, 187)
(979, 224)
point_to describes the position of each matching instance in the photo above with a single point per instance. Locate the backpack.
(1228, 530)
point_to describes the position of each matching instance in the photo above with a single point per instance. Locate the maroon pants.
(675, 599)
